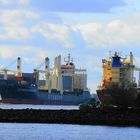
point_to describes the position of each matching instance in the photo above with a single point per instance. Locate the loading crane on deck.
(17, 73)
(46, 72)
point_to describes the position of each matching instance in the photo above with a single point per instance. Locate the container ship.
(63, 84)
(118, 86)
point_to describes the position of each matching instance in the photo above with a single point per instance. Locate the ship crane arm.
(41, 71)
(17, 72)
(8, 70)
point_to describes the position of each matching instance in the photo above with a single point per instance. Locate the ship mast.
(68, 60)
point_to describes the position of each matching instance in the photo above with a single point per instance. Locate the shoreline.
(105, 116)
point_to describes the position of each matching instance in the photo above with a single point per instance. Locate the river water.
(21, 131)
(24, 106)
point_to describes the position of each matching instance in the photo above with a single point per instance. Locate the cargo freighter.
(61, 85)
(118, 85)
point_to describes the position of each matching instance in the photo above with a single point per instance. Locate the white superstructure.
(64, 77)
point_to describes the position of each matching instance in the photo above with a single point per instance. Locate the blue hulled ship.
(62, 85)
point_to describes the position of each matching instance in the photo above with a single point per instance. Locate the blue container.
(67, 82)
(1, 76)
(116, 62)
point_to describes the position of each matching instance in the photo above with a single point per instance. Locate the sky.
(88, 29)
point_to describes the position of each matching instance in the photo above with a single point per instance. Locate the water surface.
(24, 106)
(16, 131)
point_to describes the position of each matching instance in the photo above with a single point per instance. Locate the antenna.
(68, 59)
(71, 59)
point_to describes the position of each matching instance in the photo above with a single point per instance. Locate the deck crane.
(46, 72)
(17, 73)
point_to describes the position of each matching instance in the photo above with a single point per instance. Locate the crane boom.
(16, 72)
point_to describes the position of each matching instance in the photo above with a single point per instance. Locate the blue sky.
(34, 29)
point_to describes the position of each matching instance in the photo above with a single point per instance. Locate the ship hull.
(38, 102)
(38, 97)
(118, 96)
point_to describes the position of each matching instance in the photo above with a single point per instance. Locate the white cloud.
(6, 52)
(54, 32)
(14, 24)
(94, 63)
(51, 31)
(17, 17)
(116, 32)
(23, 1)
(10, 51)
(15, 33)
(14, 1)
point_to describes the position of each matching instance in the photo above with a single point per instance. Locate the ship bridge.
(62, 77)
